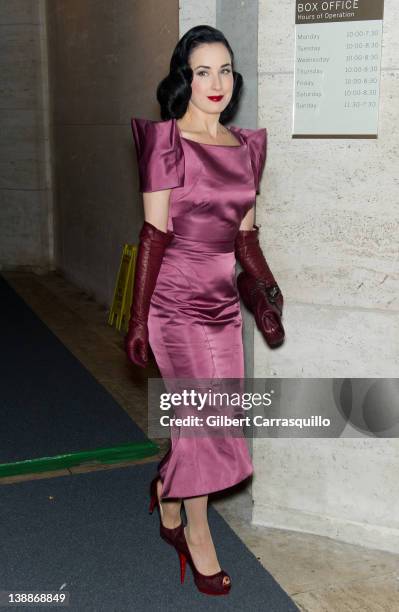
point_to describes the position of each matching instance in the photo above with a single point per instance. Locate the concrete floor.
(320, 574)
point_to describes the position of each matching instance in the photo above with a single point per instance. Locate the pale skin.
(201, 123)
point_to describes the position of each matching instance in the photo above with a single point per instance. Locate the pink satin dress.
(195, 322)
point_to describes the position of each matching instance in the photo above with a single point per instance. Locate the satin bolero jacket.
(160, 154)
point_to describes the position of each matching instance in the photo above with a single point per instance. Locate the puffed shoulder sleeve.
(257, 144)
(160, 155)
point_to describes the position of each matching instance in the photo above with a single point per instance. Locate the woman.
(199, 180)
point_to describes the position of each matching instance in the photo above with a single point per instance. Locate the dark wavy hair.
(174, 91)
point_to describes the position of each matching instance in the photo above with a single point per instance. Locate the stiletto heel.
(183, 561)
(153, 497)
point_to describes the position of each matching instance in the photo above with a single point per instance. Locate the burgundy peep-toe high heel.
(212, 584)
(169, 535)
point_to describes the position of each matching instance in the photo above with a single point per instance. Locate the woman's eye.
(205, 72)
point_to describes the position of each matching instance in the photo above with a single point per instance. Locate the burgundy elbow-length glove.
(152, 245)
(258, 287)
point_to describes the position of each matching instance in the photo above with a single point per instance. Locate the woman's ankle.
(171, 514)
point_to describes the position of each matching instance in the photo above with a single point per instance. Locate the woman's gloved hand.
(250, 255)
(265, 310)
(152, 245)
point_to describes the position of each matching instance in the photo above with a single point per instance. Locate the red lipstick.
(215, 98)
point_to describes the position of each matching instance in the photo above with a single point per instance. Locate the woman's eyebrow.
(209, 67)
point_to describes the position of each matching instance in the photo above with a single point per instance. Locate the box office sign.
(337, 68)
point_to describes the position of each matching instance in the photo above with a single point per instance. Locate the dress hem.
(208, 492)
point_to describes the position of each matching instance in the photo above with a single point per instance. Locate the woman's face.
(212, 77)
